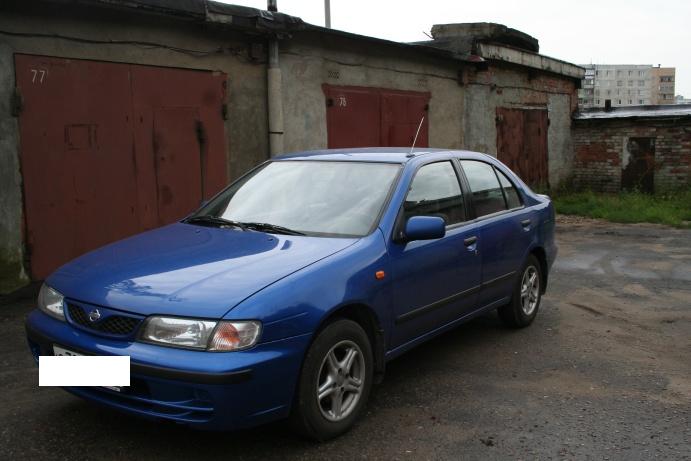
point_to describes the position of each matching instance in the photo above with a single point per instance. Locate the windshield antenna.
(416, 135)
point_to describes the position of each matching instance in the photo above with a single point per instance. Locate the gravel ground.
(603, 373)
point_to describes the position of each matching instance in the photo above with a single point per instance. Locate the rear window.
(488, 197)
(512, 198)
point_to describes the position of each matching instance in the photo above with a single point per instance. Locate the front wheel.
(525, 302)
(335, 382)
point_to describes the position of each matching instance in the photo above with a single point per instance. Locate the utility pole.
(327, 14)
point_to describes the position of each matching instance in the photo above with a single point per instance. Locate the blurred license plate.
(61, 351)
(113, 388)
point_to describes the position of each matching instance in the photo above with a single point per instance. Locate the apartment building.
(626, 85)
(663, 85)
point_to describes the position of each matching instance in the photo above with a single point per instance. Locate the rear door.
(505, 228)
(435, 281)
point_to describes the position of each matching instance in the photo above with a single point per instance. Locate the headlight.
(51, 302)
(201, 334)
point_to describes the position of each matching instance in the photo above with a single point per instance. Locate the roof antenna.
(416, 135)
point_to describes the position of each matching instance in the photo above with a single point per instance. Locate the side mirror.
(424, 228)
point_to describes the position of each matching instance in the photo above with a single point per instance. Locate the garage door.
(375, 117)
(522, 143)
(109, 150)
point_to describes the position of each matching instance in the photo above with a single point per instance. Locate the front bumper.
(208, 390)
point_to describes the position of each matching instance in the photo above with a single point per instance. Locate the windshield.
(310, 197)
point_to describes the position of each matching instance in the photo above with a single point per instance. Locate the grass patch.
(672, 209)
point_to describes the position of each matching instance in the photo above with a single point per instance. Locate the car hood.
(188, 270)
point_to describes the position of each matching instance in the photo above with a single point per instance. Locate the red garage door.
(371, 117)
(522, 143)
(109, 150)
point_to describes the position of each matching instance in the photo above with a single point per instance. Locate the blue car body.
(292, 284)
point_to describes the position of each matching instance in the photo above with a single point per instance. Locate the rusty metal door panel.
(401, 116)
(639, 173)
(535, 139)
(155, 87)
(353, 116)
(90, 132)
(77, 157)
(522, 143)
(177, 158)
(510, 129)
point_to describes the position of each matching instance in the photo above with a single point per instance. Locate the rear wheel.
(525, 302)
(335, 382)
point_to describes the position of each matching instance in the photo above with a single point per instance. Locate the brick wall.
(600, 149)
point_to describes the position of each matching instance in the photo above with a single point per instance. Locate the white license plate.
(61, 351)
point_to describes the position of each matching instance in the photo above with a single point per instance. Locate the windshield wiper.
(266, 227)
(215, 221)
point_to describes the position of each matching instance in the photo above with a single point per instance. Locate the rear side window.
(488, 197)
(510, 191)
(435, 191)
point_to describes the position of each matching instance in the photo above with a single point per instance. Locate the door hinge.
(17, 103)
(224, 111)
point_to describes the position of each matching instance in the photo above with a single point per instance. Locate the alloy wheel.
(341, 379)
(530, 290)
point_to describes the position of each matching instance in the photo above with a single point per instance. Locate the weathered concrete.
(560, 143)
(246, 127)
(12, 274)
(507, 86)
(603, 373)
(312, 59)
(465, 93)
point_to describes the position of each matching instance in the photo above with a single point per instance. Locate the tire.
(323, 419)
(524, 305)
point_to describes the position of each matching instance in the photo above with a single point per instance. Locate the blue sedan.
(287, 293)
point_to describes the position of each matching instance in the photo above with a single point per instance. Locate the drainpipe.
(274, 93)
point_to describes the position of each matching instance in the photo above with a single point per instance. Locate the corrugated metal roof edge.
(637, 112)
(256, 20)
(433, 51)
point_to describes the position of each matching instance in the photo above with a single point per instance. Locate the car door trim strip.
(436, 304)
(449, 299)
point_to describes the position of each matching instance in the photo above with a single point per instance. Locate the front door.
(435, 281)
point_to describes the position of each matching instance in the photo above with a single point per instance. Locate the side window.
(435, 191)
(487, 195)
(509, 190)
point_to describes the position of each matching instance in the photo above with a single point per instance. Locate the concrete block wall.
(507, 86)
(600, 152)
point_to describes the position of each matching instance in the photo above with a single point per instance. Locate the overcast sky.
(585, 31)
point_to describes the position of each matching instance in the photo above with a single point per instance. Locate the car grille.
(119, 325)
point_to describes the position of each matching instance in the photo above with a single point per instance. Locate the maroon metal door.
(522, 143)
(88, 143)
(402, 113)
(175, 145)
(352, 117)
(372, 117)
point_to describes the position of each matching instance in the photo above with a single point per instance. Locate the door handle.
(469, 241)
(526, 223)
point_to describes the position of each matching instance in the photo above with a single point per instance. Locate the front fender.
(299, 303)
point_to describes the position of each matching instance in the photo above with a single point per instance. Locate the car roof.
(372, 154)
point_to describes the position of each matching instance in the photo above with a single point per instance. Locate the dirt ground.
(603, 373)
